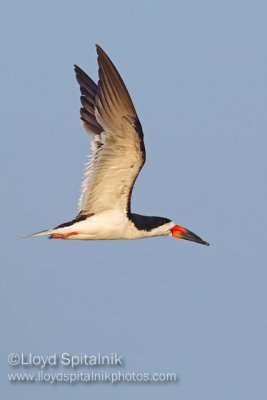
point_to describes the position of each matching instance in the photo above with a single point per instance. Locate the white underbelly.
(106, 225)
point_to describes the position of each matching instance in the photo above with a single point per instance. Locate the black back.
(80, 217)
(145, 223)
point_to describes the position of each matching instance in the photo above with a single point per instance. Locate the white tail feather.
(42, 233)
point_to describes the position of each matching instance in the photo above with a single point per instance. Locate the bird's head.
(159, 226)
(180, 232)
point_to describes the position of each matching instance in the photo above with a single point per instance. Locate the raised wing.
(108, 114)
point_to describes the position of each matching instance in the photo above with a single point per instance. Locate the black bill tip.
(194, 238)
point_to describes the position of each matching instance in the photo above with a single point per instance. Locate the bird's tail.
(42, 233)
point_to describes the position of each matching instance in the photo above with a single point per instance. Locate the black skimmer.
(118, 154)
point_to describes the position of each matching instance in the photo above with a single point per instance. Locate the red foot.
(63, 235)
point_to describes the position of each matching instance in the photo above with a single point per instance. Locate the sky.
(196, 71)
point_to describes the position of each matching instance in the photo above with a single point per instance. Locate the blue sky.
(196, 72)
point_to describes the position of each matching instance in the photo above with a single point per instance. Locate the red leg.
(63, 235)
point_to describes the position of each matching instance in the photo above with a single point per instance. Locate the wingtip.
(77, 69)
(99, 50)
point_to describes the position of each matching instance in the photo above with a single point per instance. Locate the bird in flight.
(118, 154)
